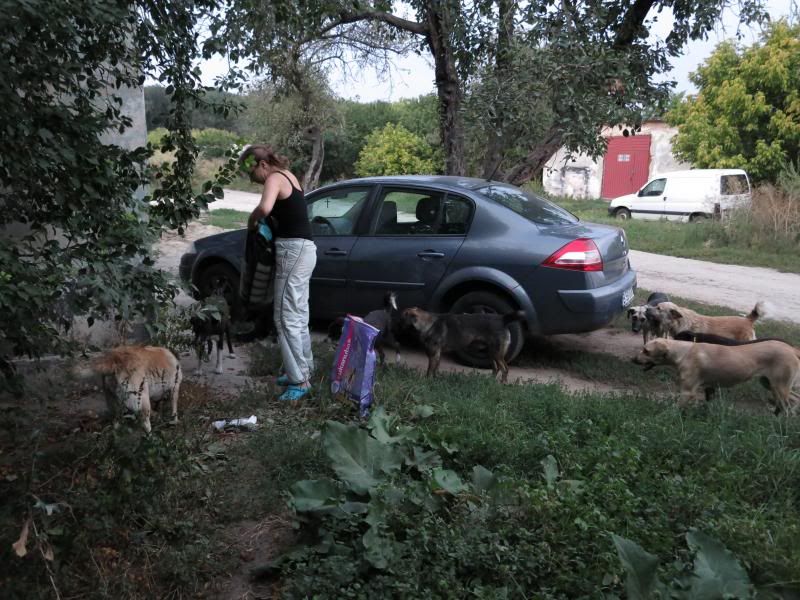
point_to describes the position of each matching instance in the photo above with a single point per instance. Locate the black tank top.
(292, 215)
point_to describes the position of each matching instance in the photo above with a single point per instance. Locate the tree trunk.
(495, 133)
(533, 164)
(311, 176)
(448, 88)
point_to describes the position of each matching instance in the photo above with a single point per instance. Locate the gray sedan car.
(448, 244)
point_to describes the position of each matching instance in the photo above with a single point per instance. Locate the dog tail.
(758, 312)
(390, 301)
(511, 317)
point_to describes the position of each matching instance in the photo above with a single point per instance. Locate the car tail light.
(579, 255)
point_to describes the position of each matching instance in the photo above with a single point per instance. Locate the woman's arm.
(269, 196)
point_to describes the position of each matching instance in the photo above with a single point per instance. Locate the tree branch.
(370, 15)
(632, 22)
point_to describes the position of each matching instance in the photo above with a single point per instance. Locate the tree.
(75, 237)
(394, 150)
(746, 113)
(594, 56)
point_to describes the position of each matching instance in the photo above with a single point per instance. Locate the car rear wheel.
(491, 303)
(219, 276)
(623, 214)
(698, 218)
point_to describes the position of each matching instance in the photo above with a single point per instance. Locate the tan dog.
(133, 376)
(676, 318)
(703, 367)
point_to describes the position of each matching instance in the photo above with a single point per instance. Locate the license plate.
(627, 297)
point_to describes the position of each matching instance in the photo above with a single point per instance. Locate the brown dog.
(135, 375)
(703, 367)
(447, 331)
(676, 318)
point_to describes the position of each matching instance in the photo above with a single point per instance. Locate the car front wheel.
(623, 214)
(491, 303)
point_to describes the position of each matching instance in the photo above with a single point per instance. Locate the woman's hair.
(266, 153)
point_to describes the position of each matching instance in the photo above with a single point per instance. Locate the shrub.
(394, 150)
(213, 143)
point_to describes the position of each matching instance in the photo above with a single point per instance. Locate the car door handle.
(430, 254)
(335, 252)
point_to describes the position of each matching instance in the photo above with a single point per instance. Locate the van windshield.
(532, 207)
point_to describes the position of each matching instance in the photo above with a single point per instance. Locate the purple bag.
(353, 371)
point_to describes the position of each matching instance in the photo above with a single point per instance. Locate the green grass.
(712, 241)
(227, 218)
(647, 471)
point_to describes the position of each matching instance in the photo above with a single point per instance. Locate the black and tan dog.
(387, 320)
(448, 332)
(213, 320)
(703, 367)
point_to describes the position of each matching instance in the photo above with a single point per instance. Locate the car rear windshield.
(530, 206)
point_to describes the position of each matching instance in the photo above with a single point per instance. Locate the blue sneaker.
(294, 393)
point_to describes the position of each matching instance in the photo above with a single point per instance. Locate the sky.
(412, 76)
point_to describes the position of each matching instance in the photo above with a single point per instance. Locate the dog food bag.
(353, 371)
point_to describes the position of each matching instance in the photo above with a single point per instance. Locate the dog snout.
(636, 325)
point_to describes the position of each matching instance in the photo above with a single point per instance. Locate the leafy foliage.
(394, 150)
(747, 111)
(716, 572)
(78, 226)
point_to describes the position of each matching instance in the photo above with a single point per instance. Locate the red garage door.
(626, 165)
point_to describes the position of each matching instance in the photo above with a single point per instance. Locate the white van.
(685, 196)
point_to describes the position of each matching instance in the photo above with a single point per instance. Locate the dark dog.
(387, 320)
(213, 320)
(442, 332)
(710, 338)
(644, 322)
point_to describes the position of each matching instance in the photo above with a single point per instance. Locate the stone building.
(630, 161)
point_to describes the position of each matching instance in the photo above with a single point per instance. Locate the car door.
(649, 202)
(335, 216)
(413, 237)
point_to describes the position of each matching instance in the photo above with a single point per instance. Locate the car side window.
(733, 184)
(654, 188)
(337, 212)
(422, 212)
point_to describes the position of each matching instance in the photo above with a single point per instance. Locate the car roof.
(451, 181)
(698, 173)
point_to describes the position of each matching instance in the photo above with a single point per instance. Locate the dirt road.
(726, 285)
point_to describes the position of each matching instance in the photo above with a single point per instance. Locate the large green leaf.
(359, 460)
(447, 480)
(717, 572)
(550, 470)
(380, 424)
(315, 495)
(483, 480)
(639, 565)
(378, 550)
(423, 460)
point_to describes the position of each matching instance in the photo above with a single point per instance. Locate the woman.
(295, 258)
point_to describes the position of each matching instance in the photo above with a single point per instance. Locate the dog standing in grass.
(703, 367)
(212, 321)
(677, 318)
(135, 376)
(442, 332)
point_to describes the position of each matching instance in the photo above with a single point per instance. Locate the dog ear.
(675, 314)
(630, 312)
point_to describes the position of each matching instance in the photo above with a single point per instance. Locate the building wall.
(581, 176)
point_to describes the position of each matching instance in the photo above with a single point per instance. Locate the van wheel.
(623, 214)
(491, 303)
(698, 218)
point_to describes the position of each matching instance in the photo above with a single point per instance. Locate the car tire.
(218, 274)
(488, 302)
(623, 214)
(698, 218)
